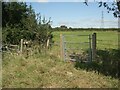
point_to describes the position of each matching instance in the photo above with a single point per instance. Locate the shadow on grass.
(106, 63)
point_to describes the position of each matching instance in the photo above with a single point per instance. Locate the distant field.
(105, 39)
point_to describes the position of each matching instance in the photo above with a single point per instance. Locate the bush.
(107, 63)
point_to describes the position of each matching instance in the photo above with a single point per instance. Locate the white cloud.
(40, 0)
(95, 23)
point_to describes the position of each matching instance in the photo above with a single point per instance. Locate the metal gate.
(77, 48)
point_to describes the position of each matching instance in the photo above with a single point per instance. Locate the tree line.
(65, 28)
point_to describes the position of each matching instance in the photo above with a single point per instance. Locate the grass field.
(48, 70)
(105, 39)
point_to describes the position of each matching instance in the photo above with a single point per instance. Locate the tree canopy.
(19, 21)
(114, 8)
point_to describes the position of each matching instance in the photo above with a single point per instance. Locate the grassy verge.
(49, 71)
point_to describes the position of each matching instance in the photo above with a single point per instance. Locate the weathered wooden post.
(94, 46)
(61, 46)
(48, 41)
(21, 46)
(90, 51)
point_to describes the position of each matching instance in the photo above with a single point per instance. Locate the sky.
(68, 0)
(75, 14)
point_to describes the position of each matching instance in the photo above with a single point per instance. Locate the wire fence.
(108, 44)
(101, 44)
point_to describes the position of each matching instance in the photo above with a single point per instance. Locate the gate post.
(21, 47)
(90, 51)
(94, 46)
(61, 46)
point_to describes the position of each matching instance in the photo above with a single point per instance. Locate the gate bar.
(75, 35)
(75, 42)
(90, 51)
(64, 54)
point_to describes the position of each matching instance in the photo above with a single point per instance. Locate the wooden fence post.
(61, 47)
(94, 46)
(21, 46)
(48, 41)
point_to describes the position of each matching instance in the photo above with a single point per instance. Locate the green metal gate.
(77, 48)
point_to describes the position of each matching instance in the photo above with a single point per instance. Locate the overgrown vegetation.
(48, 71)
(107, 63)
(19, 21)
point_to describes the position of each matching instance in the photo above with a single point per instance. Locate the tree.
(115, 8)
(12, 13)
(44, 31)
(63, 27)
(23, 23)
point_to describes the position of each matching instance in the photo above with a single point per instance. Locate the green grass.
(105, 39)
(48, 70)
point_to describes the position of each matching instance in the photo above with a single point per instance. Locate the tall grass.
(48, 70)
(35, 69)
